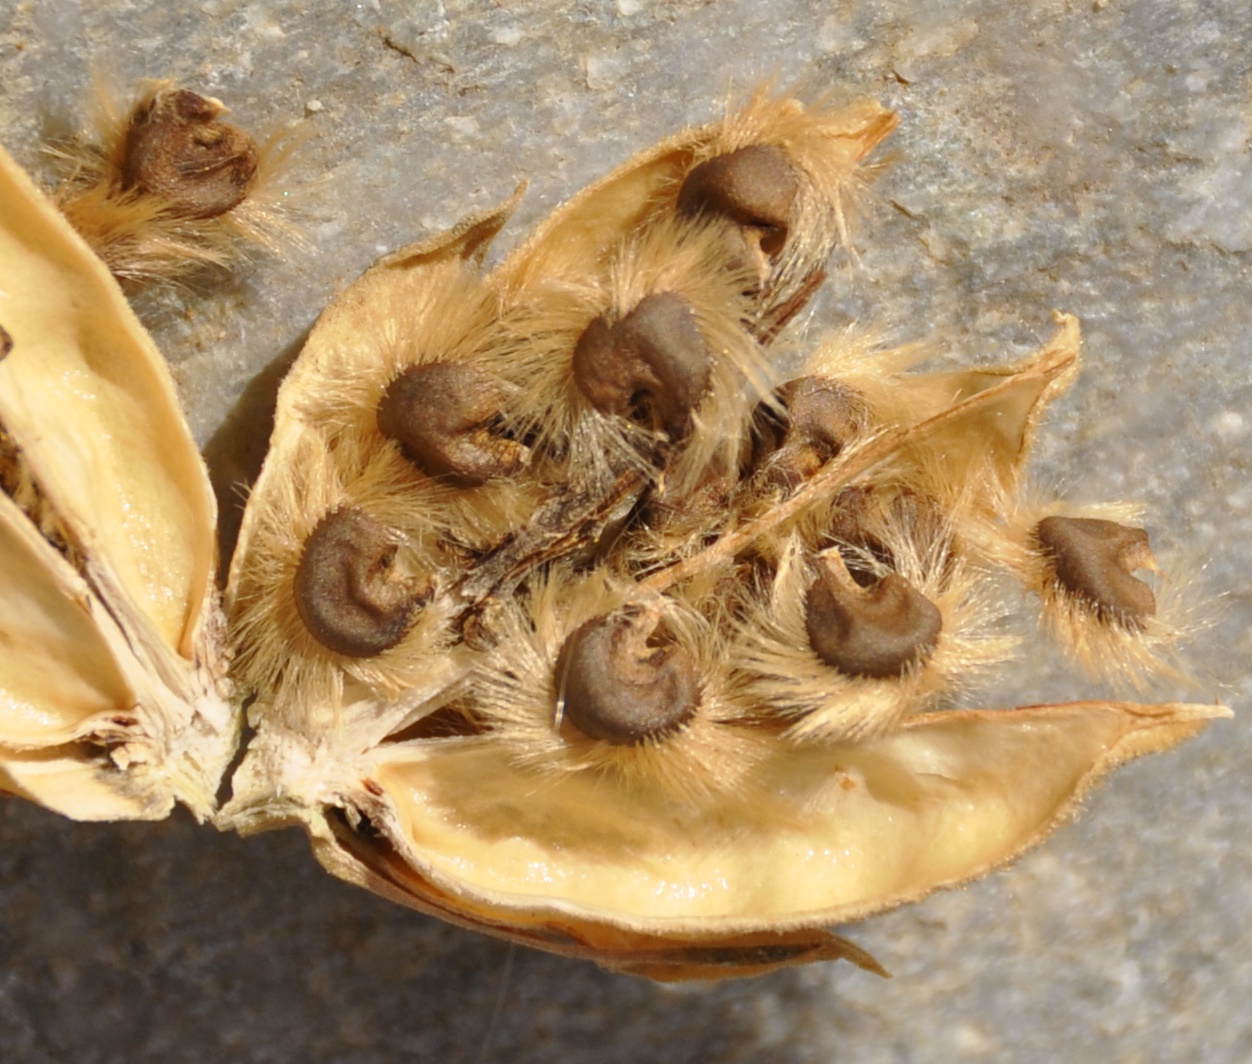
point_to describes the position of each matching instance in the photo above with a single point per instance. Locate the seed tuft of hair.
(163, 189)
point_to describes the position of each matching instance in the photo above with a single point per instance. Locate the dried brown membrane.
(569, 618)
(164, 188)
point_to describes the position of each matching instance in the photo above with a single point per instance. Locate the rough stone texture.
(1089, 156)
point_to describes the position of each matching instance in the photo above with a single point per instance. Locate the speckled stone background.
(1087, 156)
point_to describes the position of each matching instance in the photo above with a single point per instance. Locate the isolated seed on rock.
(177, 149)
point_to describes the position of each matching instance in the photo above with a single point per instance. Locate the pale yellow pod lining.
(56, 670)
(872, 825)
(91, 404)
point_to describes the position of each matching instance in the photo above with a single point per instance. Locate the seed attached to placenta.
(753, 187)
(620, 688)
(445, 417)
(877, 631)
(348, 590)
(1092, 559)
(820, 418)
(651, 365)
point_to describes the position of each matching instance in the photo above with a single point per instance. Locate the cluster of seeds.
(583, 600)
(598, 504)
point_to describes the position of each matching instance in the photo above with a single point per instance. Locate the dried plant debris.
(569, 614)
(165, 188)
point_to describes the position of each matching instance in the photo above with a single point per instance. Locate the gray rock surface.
(1087, 156)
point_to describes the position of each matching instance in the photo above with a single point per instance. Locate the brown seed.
(177, 149)
(618, 687)
(651, 365)
(445, 418)
(347, 588)
(819, 418)
(754, 187)
(6, 341)
(862, 514)
(877, 631)
(1092, 559)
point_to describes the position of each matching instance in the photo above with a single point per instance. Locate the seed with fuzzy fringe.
(177, 149)
(652, 365)
(621, 689)
(862, 513)
(347, 589)
(877, 631)
(1092, 559)
(444, 417)
(753, 187)
(819, 418)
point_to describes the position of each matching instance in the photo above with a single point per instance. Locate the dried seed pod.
(515, 755)
(651, 365)
(628, 880)
(1093, 559)
(444, 418)
(347, 589)
(783, 754)
(116, 703)
(983, 420)
(878, 631)
(618, 686)
(582, 812)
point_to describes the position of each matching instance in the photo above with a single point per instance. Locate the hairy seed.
(820, 417)
(619, 688)
(652, 365)
(347, 588)
(754, 187)
(1092, 559)
(443, 416)
(177, 149)
(863, 515)
(877, 631)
